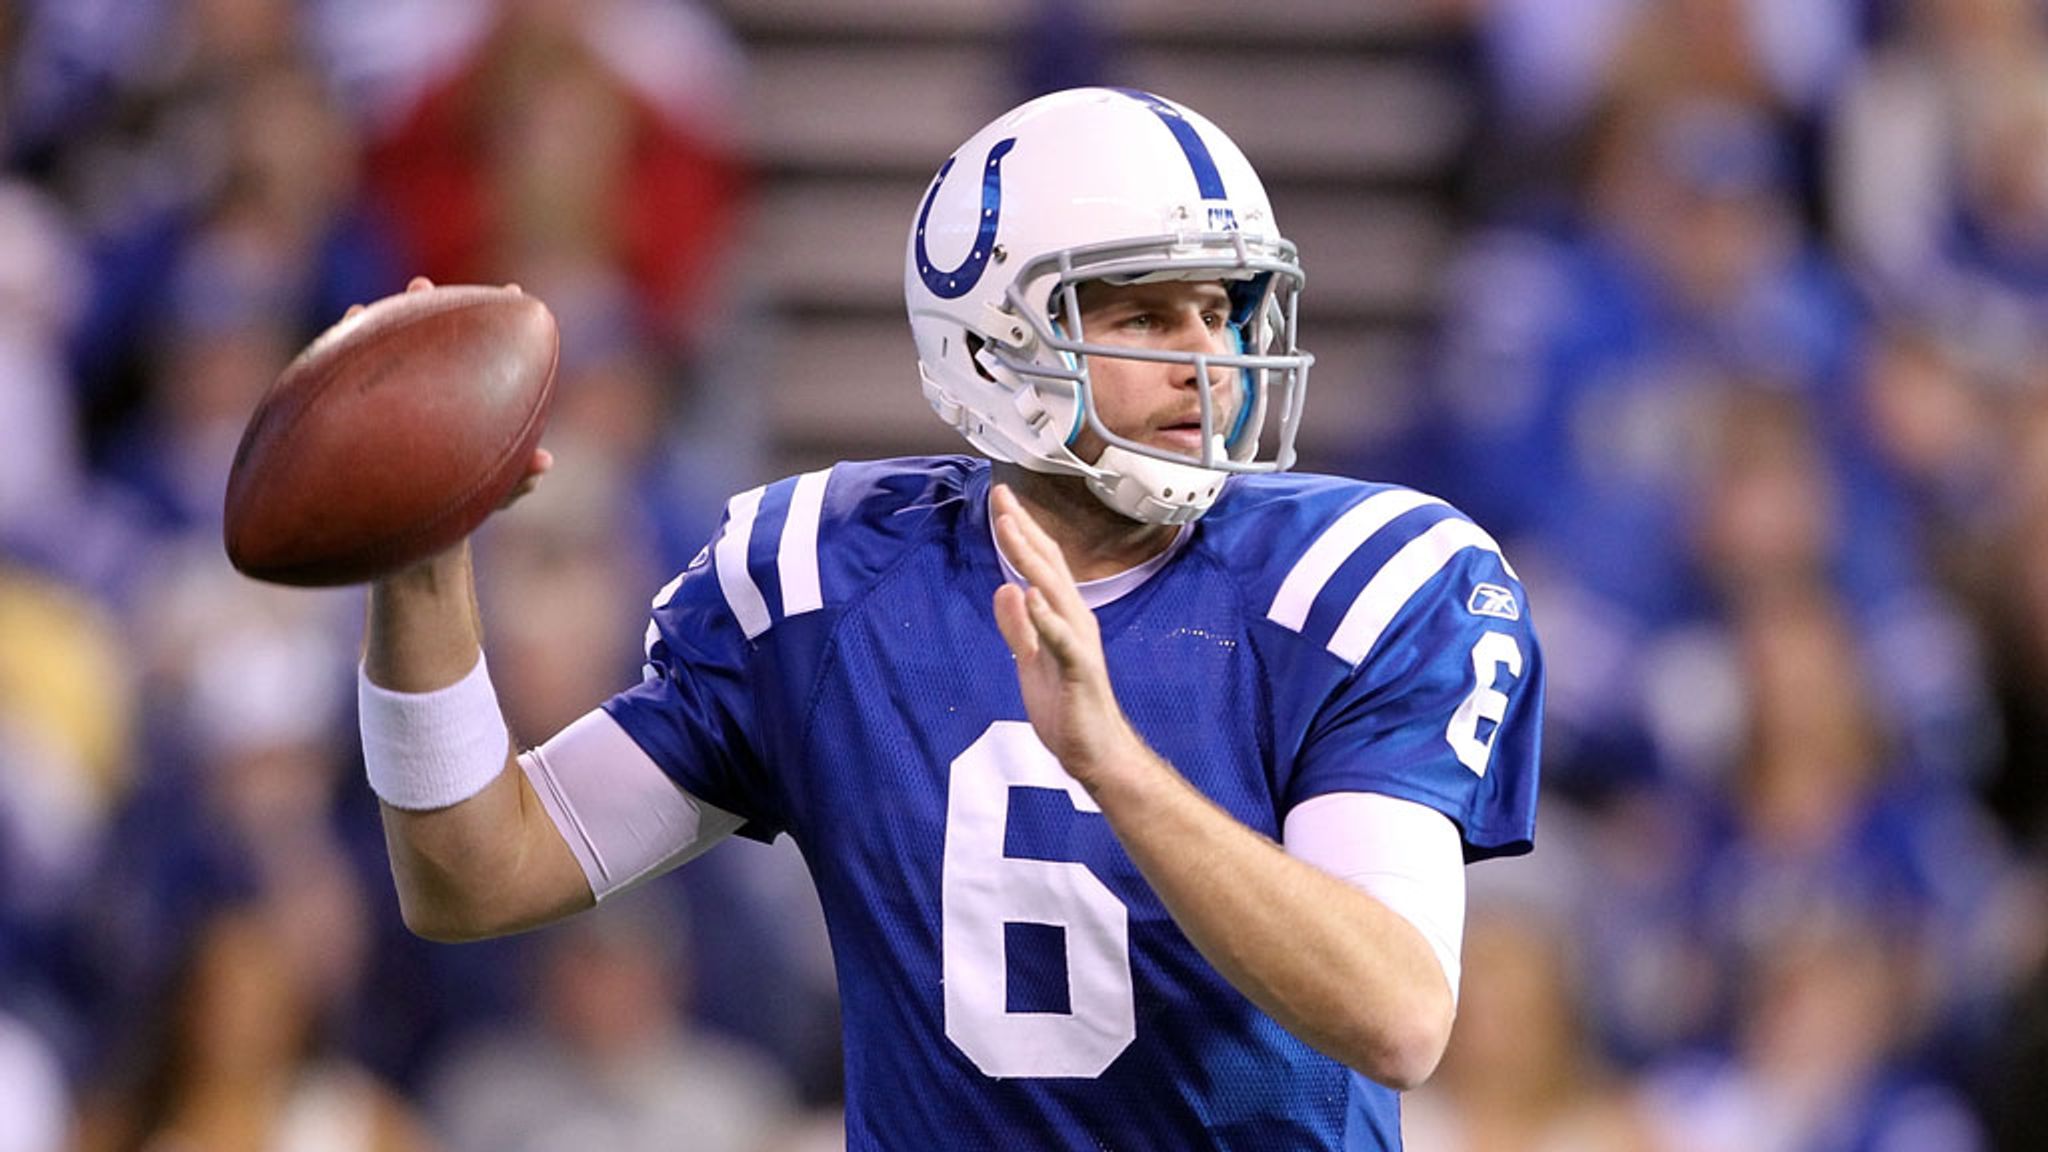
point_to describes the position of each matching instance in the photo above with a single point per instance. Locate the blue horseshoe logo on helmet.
(951, 285)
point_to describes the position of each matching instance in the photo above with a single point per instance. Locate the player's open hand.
(1058, 647)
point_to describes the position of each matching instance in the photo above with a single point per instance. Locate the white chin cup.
(1152, 490)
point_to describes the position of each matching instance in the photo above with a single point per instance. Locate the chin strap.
(1152, 490)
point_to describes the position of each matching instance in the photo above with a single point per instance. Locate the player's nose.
(1195, 338)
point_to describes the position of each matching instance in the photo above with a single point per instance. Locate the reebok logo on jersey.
(1493, 600)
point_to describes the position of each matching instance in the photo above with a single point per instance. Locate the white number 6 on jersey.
(981, 890)
(1495, 650)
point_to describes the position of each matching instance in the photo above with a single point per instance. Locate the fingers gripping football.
(393, 435)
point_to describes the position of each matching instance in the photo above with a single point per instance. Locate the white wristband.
(427, 750)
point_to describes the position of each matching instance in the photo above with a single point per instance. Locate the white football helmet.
(1117, 185)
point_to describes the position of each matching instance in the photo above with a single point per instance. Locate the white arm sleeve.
(1408, 856)
(621, 814)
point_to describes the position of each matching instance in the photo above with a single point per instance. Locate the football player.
(1136, 774)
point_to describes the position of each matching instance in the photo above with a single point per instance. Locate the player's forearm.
(1326, 960)
(461, 876)
(491, 863)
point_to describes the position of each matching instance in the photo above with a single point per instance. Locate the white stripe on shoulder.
(668, 590)
(1398, 579)
(1306, 579)
(653, 637)
(742, 595)
(796, 558)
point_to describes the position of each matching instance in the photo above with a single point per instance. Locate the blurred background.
(1726, 316)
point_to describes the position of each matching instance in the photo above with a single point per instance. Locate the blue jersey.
(831, 667)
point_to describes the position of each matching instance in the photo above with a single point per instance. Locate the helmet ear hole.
(974, 346)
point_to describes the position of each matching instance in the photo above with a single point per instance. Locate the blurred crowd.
(199, 946)
(1741, 356)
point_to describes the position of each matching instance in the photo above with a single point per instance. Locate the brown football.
(391, 436)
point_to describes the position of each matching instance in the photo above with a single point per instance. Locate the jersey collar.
(1109, 589)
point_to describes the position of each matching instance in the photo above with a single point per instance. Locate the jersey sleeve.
(698, 709)
(737, 642)
(1438, 678)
